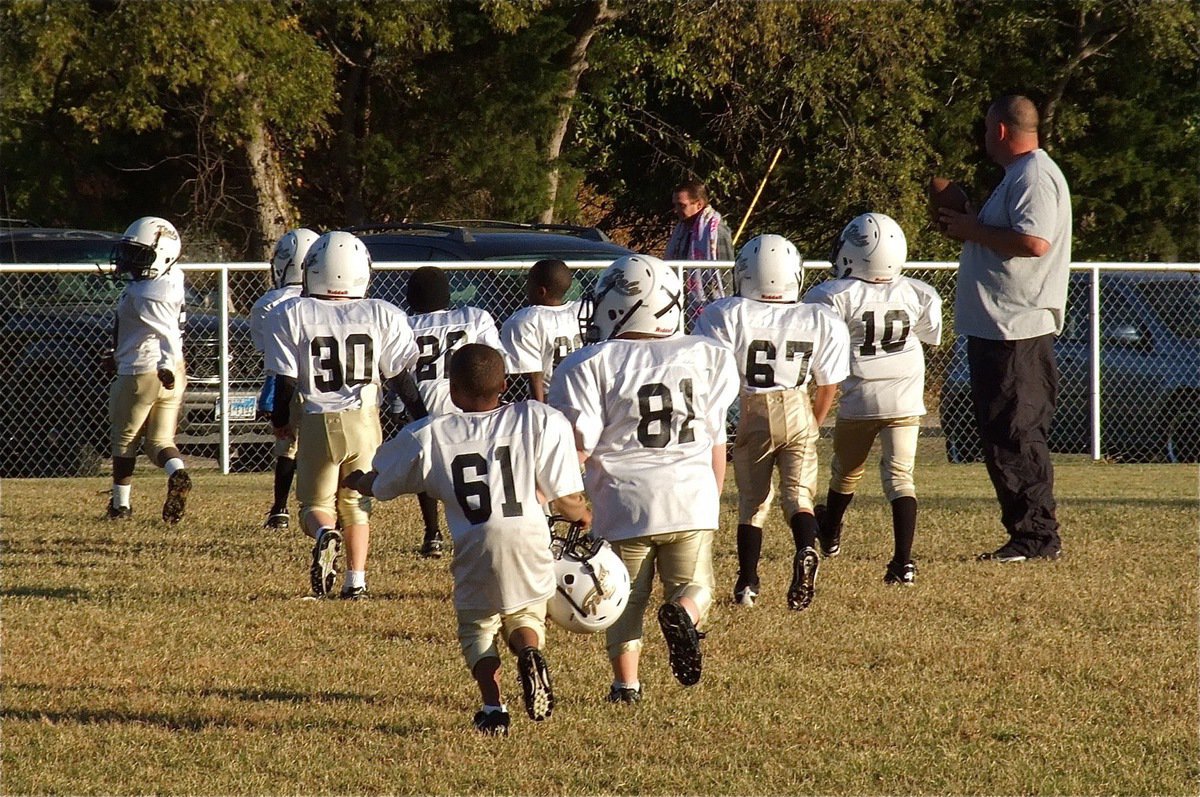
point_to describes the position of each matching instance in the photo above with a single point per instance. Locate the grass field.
(140, 659)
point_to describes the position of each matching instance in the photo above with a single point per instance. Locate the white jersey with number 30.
(439, 334)
(647, 414)
(888, 322)
(778, 346)
(488, 468)
(337, 351)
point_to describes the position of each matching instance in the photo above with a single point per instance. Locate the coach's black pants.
(1014, 387)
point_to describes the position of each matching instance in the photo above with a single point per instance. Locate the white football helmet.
(871, 248)
(337, 266)
(147, 250)
(768, 269)
(637, 293)
(592, 583)
(287, 261)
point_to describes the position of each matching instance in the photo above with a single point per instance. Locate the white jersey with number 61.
(647, 414)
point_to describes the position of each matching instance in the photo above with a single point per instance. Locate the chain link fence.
(1130, 349)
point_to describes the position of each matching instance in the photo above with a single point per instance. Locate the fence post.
(1094, 364)
(223, 344)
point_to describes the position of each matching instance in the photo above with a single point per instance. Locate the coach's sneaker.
(324, 562)
(277, 519)
(683, 643)
(492, 723)
(624, 694)
(432, 547)
(534, 678)
(1005, 554)
(178, 487)
(804, 579)
(904, 575)
(118, 512)
(830, 538)
(354, 594)
(745, 593)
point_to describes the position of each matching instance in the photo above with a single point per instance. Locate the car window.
(1078, 311)
(1176, 303)
(401, 253)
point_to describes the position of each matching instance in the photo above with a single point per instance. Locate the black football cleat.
(118, 512)
(829, 538)
(534, 678)
(624, 694)
(903, 575)
(179, 485)
(804, 579)
(492, 723)
(323, 571)
(683, 643)
(277, 519)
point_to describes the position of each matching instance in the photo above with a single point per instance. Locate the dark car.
(55, 327)
(499, 291)
(1149, 372)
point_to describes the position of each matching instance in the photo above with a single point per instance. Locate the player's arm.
(163, 318)
(718, 465)
(404, 386)
(823, 401)
(362, 482)
(1001, 240)
(574, 508)
(281, 410)
(537, 386)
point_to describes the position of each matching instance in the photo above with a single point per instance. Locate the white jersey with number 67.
(647, 414)
(778, 345)
(337, 351)
(888, 322)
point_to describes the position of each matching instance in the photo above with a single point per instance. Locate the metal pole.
(223, 344)
(1094, 363)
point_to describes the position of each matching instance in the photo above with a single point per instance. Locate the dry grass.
(144, 659)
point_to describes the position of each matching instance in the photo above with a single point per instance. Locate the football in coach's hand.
(944, 193)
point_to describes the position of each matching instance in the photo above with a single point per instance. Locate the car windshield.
(1176, 303)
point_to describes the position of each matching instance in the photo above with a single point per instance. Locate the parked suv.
(499, 291)
(1149, 372)
(54, 331)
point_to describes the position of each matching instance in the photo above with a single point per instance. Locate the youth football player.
(492, 465)
(889, 316)
(537, 338)
(287, 272)
(780, 346)
(648, 406)
(144, 399)
(440, 332)
(335, 347)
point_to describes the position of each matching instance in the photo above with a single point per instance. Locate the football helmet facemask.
(637, 293)
(287, 261)
(147, 250)
(871, 248)
(768, 269)
(592, 584)
(337, 266)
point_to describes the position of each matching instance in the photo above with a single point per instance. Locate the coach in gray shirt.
(1012, 289)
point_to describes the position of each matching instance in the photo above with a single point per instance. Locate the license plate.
(242, 408)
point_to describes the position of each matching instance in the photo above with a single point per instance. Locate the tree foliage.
(376, 111)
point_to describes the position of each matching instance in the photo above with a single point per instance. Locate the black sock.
(749, 549)
(429, 515)
(904, 527)
(804, 530)
(836, 505)
(285, 471)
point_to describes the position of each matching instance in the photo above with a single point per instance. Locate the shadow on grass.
(172, 722)
(61, 593)
(285, 696)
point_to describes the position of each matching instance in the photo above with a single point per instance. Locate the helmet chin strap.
(625, 319)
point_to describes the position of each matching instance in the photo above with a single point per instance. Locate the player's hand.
(350, 481)
(961, 226)
(167, 377)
